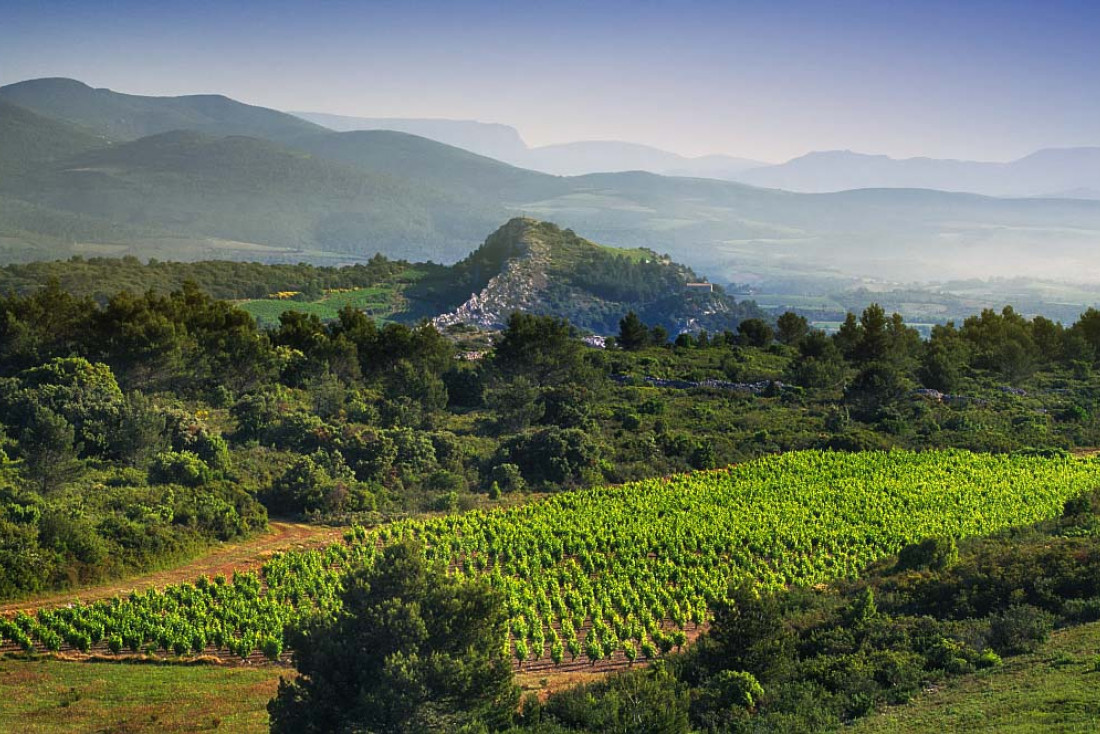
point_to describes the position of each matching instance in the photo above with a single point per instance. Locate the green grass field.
(46, 696)
(379, 301)
(1056, 689)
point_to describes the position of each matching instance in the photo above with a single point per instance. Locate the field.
(47, 696)
(618, 573)
(379, 301)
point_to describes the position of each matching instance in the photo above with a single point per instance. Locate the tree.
(754, 333)
(633, 334)
(791, 327)
(848, 336)
(49, 449)
(748, 634)
(874, 341)
(516, 405)
(877, 386)
(658, 336)
(411, 650)
(541, 348)
(819, 364)
(142, 430)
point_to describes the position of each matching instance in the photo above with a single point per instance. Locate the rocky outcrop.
(518, 287)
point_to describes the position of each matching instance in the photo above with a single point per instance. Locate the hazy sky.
(771, 79)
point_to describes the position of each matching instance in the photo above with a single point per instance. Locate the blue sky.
(770, 79)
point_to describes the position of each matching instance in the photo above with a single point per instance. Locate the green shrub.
(934, 554)
(179, 467)
(1020, 628)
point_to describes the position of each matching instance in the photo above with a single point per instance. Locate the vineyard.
(625, 572)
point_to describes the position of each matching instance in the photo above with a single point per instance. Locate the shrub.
(934, 554)
(1020, 628)
(179, 467)
(988, 659)
(272, 648)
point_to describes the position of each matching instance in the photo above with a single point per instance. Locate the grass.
(47, 696)
(379, 301)
(1056, 689)
(1052, 690)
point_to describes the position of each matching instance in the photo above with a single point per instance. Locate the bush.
(934, 554)
(988, 659)
(179, 467)
(508, 478)
(1020, 628)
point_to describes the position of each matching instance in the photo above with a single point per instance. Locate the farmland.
(618, 571)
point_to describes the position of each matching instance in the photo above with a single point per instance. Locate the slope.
(536, 267)
(1050, 690)
(28, 140)
(496, 141)
(255, 191)
(430, 163)
(128, 116)
(564, 159)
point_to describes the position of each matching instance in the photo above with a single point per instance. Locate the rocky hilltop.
(537, 267)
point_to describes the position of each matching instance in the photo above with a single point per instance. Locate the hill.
(1071, 172)
(429, 163)
(292, 191)
(536, 267)
(595, 156)
(128, 117)
(30, 140)
(254, 191)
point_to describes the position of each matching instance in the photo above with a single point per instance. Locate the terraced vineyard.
(624, 572)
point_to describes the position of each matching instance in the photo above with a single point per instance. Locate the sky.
(768, 79)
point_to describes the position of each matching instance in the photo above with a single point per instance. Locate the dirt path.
(224, 559)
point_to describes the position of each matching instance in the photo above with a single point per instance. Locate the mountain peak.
(121, 117)
(55, 83)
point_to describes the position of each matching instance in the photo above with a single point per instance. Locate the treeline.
(101, 278)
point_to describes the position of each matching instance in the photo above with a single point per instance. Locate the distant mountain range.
(1055, 172)
(567, 159)
(90, 171)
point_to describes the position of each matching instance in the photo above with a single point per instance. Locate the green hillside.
(128, 116)
(434, 164)
(31, 140)
(254, 191)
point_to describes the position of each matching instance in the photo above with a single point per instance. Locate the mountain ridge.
(576, 158)
(124, 117)
(1036, 174)
(326, 196)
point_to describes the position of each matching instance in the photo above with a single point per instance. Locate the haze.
(763, 80)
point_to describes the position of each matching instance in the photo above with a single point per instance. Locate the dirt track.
(224, 559)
